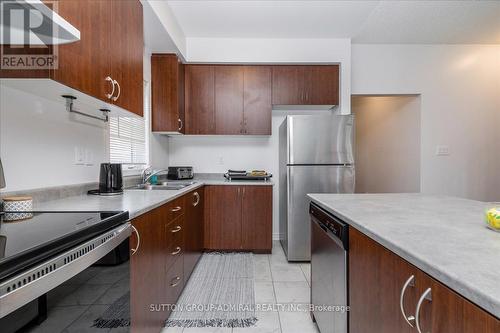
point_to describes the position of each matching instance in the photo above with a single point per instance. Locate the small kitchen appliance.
(110, 180)
(180, 172)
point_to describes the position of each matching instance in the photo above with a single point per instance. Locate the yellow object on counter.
(493, 218)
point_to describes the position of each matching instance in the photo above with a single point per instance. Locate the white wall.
(37, 140)
(281, 50)
(204, 153)
(38, 137)
(460, 107)
(387, 143)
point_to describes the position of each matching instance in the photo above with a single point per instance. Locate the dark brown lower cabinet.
(193, 241)
(238, 218)
(171, 241)
(147, 272)
(223, 217)
(379, 278)
(257, 218)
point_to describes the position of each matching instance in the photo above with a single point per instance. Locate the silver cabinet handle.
(180, 124)
(176, 209)
(409, 283)
(175, 281)
(119, 91)
(177, 251)
(197, 196)
(110, 80)
(134, 251)
(177, 229)
(427, 295)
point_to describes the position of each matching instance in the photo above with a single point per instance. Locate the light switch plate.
(79, 156)
(442, 150)
(89, 157)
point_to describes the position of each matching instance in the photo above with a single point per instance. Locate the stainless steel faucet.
(148, 173)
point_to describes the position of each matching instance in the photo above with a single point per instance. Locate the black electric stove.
(26, 243)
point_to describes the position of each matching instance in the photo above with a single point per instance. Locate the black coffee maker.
(110, 180)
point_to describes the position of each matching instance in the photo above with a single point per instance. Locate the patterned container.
(23, 205)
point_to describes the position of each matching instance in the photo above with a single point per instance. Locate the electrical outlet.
(89, 157)
(442, 150)
(221, 160)
(79, 156)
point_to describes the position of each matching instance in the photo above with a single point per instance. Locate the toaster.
(180, 172)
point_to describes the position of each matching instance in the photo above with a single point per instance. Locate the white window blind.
(127, 140)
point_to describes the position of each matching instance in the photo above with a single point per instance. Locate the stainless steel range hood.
(44, 26)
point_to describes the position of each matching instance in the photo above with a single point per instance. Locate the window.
(128, 140)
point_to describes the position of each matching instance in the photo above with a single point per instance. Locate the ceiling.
(398, 22)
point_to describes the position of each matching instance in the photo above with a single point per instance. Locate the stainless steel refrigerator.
(316, 156)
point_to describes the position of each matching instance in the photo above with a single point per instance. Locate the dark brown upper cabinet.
(229, 100)
(126, 52)
(107, 61)
(167, 90)
(306, 85)
(257, 105)
(287, 85)
(200, 99)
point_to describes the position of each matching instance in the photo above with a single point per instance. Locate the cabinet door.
(84, 65)
(287, 85)
(167, 90)
(147, 273)
(321, 85)
(126, 53)
(257, 218)
(229, 99)
(224, 214)
(200, 99)
(376, 279)
(257, 104)
(447, 312)
(194, 230)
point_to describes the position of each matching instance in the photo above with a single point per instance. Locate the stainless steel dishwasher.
(329, 245)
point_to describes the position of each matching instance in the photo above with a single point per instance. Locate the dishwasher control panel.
(338, 228)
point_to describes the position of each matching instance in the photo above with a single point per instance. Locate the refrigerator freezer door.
(320, 139)
(302, 180)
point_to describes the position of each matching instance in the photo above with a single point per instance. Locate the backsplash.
(60, 192)
(38, 139)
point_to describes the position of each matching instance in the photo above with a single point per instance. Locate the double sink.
(163, 186)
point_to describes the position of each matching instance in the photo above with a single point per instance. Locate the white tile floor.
(276, 281)
(74, 305)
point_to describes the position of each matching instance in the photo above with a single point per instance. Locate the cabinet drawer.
(175, 209)
(175, 281)
(175, 241)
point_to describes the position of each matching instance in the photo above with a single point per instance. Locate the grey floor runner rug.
(220, 293)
